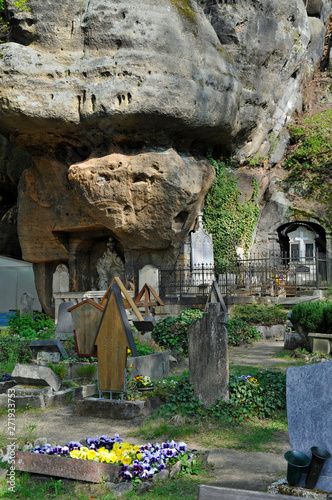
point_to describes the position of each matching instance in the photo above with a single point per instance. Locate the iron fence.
(186, 281)
(276, 274)
(264, 274)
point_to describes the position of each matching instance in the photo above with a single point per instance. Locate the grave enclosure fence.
(271, 274)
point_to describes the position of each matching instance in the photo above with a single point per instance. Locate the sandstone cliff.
(107, 110)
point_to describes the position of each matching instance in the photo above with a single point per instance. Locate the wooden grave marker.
(127, 300)
(215, 296)
(86, 317)
(112, 339)
(149, 321)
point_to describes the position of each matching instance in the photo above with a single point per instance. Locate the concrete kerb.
(43, 397)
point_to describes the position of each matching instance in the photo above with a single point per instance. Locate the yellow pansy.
(91, 454)
(74, 453)
(126, 461)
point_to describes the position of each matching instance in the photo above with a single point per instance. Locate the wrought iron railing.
(263, 274)
(276, 274)
(187, 281)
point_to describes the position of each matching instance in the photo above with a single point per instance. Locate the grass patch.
(28, 486)
(252, 435)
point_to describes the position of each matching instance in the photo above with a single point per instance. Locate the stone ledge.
(282, 487)
(83, 470)
(118, 410)
(44, 397)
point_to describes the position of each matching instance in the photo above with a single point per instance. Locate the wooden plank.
(83, 470)
(216, 493)
(128, 301)
(112, 339)
(86, 317)
(147, 290)
(216, 294)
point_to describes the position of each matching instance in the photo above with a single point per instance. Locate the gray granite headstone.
(26, 304)
(208, 356)
(309, 411)
(65, 322)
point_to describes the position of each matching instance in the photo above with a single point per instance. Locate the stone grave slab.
(36, 375)
(65, 322)
(208, 356)
(111, 409)
(83, 470)
(309, 403)
(51, 345)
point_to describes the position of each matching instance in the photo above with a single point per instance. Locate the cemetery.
(108, 381)
(116, 357)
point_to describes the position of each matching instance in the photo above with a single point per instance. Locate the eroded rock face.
(117, 102)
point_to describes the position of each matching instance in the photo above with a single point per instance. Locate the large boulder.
(115, 105)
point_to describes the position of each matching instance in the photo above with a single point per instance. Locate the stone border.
(39, 398)
(70, 468)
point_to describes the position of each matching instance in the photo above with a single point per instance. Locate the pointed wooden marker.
(112, 339)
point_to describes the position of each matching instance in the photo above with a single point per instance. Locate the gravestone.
(47, 351)
(149, 274)
(26, 304)
(65, 322)
(36, 375)
(309, 403)
(201, 246)
(208, 356)
(61, 279)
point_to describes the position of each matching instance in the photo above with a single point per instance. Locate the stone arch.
(301, 239)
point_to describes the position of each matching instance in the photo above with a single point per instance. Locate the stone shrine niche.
(109, 266)
(303, 247)
(299, 241)
(61, 279)
(302, 244)
(201, 246)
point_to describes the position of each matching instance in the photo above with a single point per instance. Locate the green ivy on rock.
(231, 223)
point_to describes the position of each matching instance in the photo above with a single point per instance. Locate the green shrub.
(15, 349)
(260, 314)
(86, 371)
(60, 369)
(143, 348)
(171, 333)
(313, 316)
(240, 332)
(260, 396)
(38, 326)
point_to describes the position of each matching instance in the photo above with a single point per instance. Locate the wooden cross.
(147, 290)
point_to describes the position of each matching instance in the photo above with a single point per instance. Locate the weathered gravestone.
(309, 404)
(48, 351)
(26, 304)
(208, 356)
(149, 274)
(36, 375)
(65, 322)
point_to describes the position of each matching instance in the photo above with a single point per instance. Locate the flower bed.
(134, 462)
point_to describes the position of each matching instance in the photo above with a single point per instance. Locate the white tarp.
(16, 278)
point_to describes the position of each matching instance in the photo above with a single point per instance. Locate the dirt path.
(232, 468)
